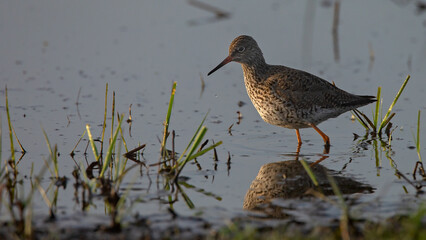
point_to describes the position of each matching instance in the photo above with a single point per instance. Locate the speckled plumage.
(289, 97)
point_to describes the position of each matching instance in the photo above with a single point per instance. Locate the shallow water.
(50, 50)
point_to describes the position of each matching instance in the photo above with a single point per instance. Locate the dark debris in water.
(241, 103)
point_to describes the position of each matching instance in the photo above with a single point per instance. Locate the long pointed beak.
(225, 61)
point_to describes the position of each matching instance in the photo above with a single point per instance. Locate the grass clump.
(374, 126)
(110, 166)
(12, 132)
(190, 152)
(171, 165)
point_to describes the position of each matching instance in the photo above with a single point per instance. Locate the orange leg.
(299, 139)
(323, 135)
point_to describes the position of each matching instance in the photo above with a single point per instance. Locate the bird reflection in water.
(289, 180)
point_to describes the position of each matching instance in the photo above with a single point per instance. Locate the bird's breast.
(272, 109)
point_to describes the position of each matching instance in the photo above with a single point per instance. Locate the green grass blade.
(46, 163)
(47, 141)
(122, 135)
(81, 137)
(167, 122)
(200, 190)
(110, 149)
(188, 201)
(112, 120)
(117, 162)
(376, 155)
(121, 210)
(382, 125)
(194, 146)
(55, 161)
(309, 172)
(376, 113)
(112, 113)
(29, 198)
(385, 123)
(366, 119)
(52, 152)
(19, 142)
(359, 119)
(202, 152)
(28, 222)
(43, 194)
(12, 148)
(193, 137)
(92, 142)
(91, 183)
(105, 113)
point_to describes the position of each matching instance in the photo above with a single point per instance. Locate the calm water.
(50, 50)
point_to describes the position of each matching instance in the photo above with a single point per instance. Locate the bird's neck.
(256, 71)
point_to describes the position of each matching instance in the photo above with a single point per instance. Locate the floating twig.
(230, 129)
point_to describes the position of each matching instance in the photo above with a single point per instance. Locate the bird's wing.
(305, 90)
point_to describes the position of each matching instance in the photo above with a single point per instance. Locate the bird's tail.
(368, 99)
(361, 101)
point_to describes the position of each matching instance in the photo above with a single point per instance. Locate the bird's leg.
(323, 135)
(299, 140)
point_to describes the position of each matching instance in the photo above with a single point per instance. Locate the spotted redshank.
(288, 97)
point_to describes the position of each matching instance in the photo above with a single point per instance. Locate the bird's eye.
(241, 49)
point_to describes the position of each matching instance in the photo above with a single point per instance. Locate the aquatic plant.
(53, 153)
(189, 153)
(419, 164)
(164, 152)
(373, 125)
(19, 203)
(170, 165)
(417, 137)
(12, 132)
(112, 171)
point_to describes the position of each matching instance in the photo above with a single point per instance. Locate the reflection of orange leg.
(323, 135)
(299, 140)
(298, 149)
(326, 149)
(318, 161)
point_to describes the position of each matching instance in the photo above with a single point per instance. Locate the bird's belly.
(292, 118)
(279, 115)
